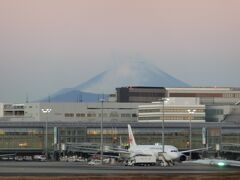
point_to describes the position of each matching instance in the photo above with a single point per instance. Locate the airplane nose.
(176, 155)
(172, 155)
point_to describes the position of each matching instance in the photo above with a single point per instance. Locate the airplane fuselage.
(155, 150)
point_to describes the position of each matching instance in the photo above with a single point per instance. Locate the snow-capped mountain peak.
(133, 73)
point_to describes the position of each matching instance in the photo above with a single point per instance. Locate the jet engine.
(183, 158)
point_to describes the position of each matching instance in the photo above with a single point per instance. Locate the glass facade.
(22, 138)
(178, 137)
(73, 135)
(33, 138)
(170, 113)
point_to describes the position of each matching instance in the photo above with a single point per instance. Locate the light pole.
(102, 100)
(220, 144)
(163, 100)
(46, 111)
(190, 112)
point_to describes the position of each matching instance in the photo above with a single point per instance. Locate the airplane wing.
(105, 156)
(217, 162)
(200, 149)
(232, 163)
(6, 155)
(105, 149)
(140, 153)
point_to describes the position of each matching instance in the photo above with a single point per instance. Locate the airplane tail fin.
(131, 137)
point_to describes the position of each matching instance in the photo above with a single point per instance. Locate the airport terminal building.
(23, 127)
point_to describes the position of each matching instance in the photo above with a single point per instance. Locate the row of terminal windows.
(93, 115)
(64, 132)
(111, 131)
(169, 110)
(146, 94)
(69, 115)
(13, 113)
(211, 112)
(21, 131)
(231, 95)
(138, 131)
(10, 106)
(72, 139)
(172, 118)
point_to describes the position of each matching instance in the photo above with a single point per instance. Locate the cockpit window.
(173, 150)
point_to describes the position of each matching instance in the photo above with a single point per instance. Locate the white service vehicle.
(142, 160)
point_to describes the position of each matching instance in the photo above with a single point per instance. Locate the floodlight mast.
(190, 112)
(163, 100)
(46, 111)
(102, 101)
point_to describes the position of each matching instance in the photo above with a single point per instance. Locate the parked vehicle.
(18, 158)
(39, 158)
(94, 162)
(146, 160)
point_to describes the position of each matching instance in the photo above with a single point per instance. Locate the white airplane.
(171, 152)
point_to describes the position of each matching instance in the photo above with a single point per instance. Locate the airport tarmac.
(12, 168)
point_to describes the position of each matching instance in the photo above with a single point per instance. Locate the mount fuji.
(130, 74)
(133, 73)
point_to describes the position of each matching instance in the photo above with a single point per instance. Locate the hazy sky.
(46, 45)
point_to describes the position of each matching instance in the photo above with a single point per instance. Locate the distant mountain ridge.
(130, 74)
(133, 73)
